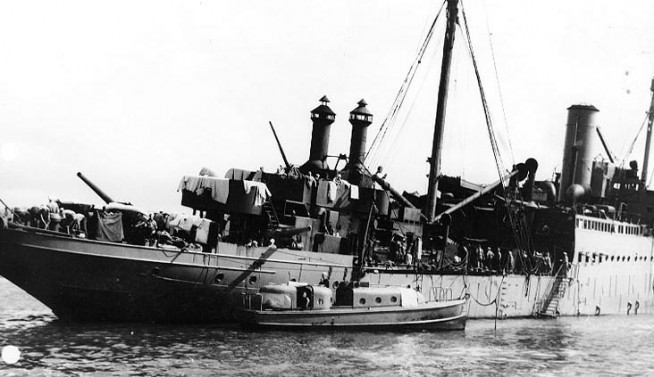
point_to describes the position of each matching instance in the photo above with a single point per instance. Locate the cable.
(390, 119)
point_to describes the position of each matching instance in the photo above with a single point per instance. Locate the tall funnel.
(360, 118)
(580, 148)
(322, 118)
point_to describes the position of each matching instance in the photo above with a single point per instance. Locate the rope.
(391, 117)
(633, 143)
(493, 301)
(497, 80)
(499, 164)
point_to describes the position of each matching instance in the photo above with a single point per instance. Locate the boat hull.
(448, 315)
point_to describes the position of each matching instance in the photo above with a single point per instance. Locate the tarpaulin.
(110, 227)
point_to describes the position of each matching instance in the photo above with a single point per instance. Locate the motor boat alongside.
(303, 306)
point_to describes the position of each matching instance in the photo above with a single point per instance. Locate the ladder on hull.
(550, 306)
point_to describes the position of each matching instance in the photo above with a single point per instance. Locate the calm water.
(570, 346)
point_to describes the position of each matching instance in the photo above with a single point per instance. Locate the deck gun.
(95, 189)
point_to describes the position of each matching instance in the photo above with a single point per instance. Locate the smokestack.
(580, 148)
(360, 118)
(322, 118)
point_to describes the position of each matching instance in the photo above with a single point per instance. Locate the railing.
(247, 300)
(440, 294)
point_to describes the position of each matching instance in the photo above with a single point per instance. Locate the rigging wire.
(518, 226)
(499, 164)
(497, 79)
(633, 143)
(391, 117)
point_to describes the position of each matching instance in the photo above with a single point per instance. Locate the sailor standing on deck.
(510, 262)
(490, 259)
(324, 280)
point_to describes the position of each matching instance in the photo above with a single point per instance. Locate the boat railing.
(247, 301)
(440, 294)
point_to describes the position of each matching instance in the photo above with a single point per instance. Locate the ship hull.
(84, 280)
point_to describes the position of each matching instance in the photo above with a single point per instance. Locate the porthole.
(219, 277)
(378, 300)
(612, 258)
(335, 284)
(628, 259)
(321, 302)
(253, 279)
(393, 299)
(362, 301)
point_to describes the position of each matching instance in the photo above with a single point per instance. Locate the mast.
(648, 140)
(435, 160)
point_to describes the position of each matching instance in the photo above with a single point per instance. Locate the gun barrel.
(288, 231)
(95, 189)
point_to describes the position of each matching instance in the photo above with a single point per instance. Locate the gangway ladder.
(273, 220)
(550, 306)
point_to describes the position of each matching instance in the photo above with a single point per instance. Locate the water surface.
(606, 345)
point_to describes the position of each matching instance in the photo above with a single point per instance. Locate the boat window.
(612, 258)
(321, 302)
(362, 301)
(335, 284)
(378, 300)
(253, 279)
(219, 277)
(393, 299)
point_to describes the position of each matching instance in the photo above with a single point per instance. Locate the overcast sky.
(137, 94)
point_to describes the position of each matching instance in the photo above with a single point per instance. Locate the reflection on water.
(587, 346)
